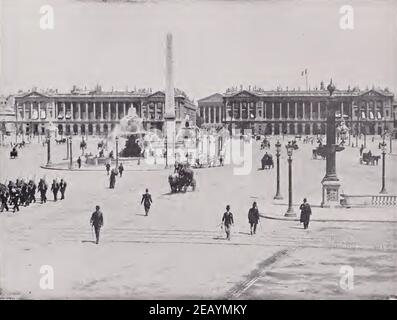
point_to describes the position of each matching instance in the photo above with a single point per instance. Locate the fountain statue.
(131, 128)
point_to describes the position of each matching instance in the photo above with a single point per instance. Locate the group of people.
(253, 218)
(21, 193)
(113, 173)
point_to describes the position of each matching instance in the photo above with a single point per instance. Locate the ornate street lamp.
(278, 195)
(330, 182)
(50, 130)
(67, 148)
(290, 211)
(71, 153)
(117, 152)
(383, 146)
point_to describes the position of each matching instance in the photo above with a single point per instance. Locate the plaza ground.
(179, 250)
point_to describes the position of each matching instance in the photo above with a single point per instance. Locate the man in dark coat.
(361, 150)
(112, 179)
(42, 188)
(32, 191)
(15, 196)
(107, 168)
(79, 162)
(121, 169)
(4, 199)
(62, 188)
(96, 221)
(253, 218)
(55, 189)
(147, 201)
(306, 211)
(227, 221)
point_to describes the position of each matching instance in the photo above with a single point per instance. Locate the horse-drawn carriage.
(265, 144)
(60, 141)
(293, 144)
(370, 159)
(320, 151)
(181, 179)
(267, 161)
(13, 153)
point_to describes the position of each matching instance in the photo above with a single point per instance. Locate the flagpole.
(307, 87)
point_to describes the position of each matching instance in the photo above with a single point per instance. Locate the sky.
(217, 44)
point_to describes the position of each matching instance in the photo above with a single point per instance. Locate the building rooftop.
(139, 93)
(259, 92)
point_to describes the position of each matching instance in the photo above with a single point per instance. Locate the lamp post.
(383, 146)
(71, 153)
(48, 151)
(50, 130)
(67, 148)
(166, 152)
(117, 152)
(330, 182)
(278, 195)
(290, 211)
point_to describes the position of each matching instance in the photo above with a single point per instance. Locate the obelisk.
(169, 115)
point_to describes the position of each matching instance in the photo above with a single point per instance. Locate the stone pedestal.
(330, 194)
(170, 141)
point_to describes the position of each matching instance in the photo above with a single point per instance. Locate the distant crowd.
(21, 193)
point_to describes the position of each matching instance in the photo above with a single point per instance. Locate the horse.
(319, 151)
(14, 153)
(181, 179)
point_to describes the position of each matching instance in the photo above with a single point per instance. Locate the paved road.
(179, 250)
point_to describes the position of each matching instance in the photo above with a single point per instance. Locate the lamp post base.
(278, 197)
(290, 212)
(383, 191)
(330, 196)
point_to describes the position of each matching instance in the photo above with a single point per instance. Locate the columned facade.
(304, 112)
(95, 113)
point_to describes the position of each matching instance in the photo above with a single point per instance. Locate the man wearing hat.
(306, 211)
(147, 201)
(227, 221)
(97, 222)
(253, 218)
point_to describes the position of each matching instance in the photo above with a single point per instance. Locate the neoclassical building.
(95, 112)
(299, 112)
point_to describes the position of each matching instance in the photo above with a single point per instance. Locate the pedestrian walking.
(96, 222)
(4, 199)
(121, 169)
(361, 150)
(253, 218)
(62, 188)
(15, 197)
(112, 179)
(32, 191)
(55, 189)
(147, 201)
(107, 168)
(42, 188)
(306, 211)
(227, 221)
(79, 162)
